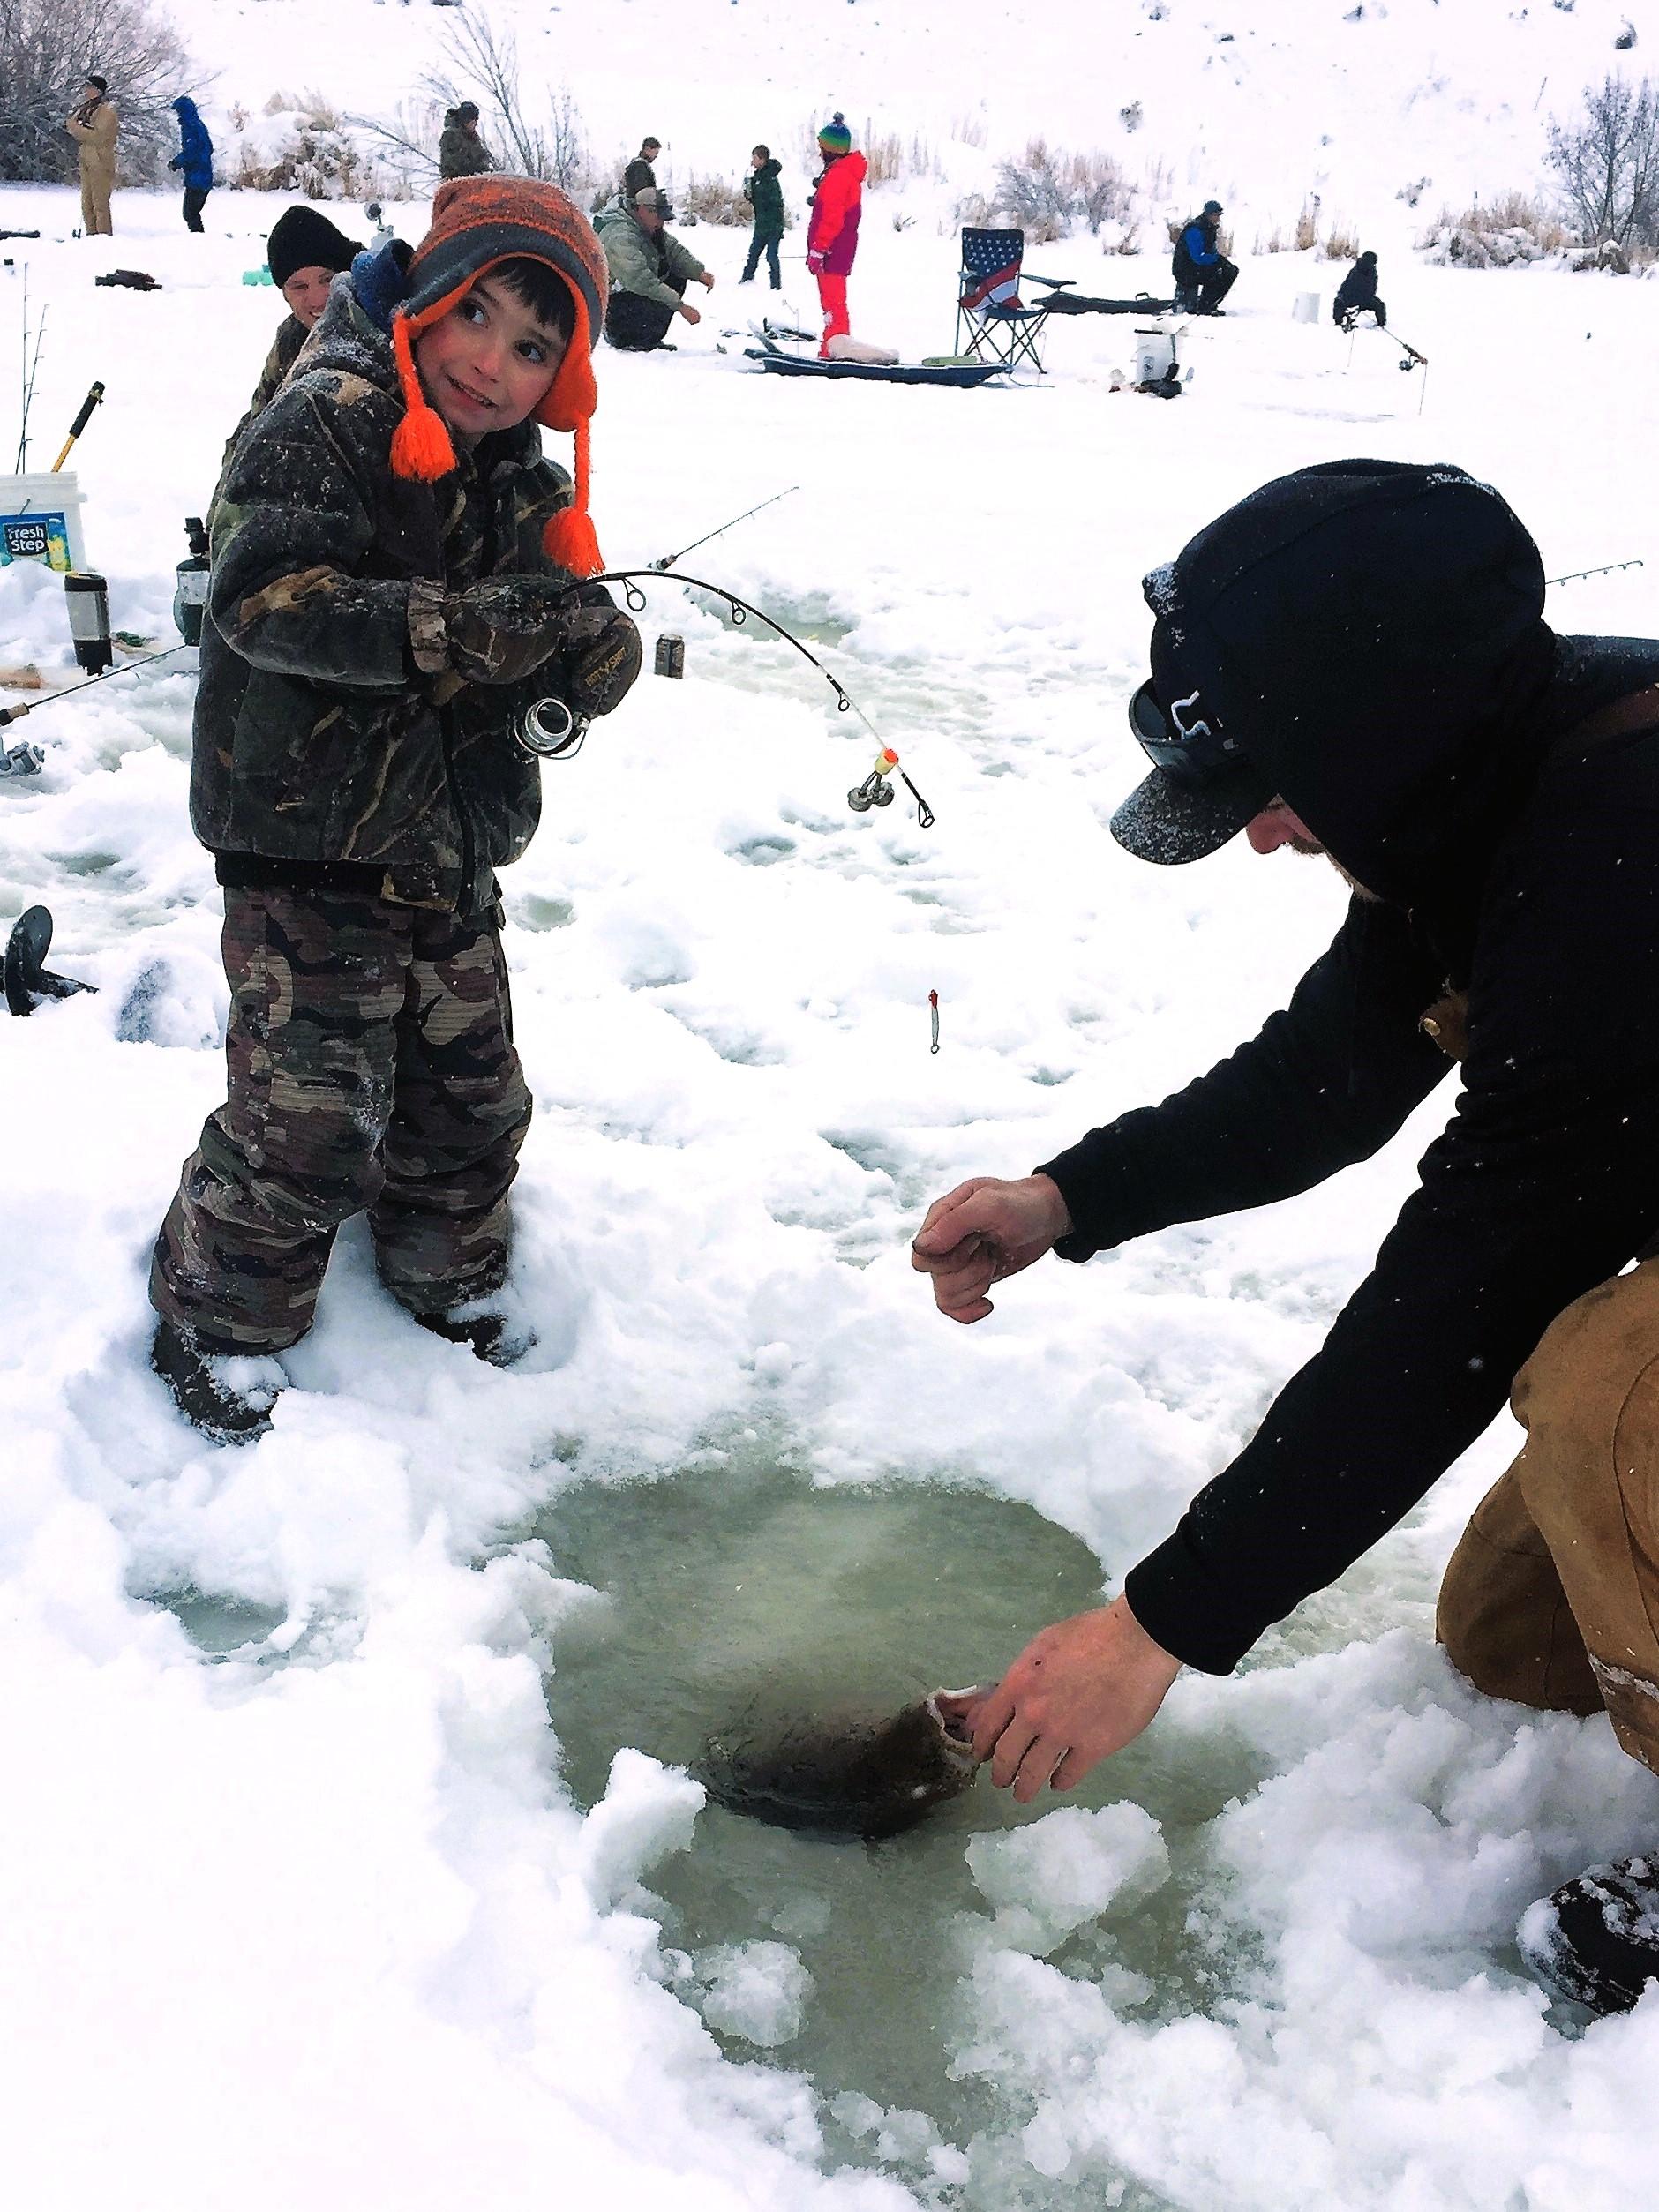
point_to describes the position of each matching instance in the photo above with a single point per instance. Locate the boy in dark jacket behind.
(1356, 293)
(765, 195)
(392, 588)
(304, 253)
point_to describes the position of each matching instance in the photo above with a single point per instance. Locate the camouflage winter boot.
(227, 1396)
(484, 1329)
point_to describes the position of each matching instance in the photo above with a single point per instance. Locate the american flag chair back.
(997, 325)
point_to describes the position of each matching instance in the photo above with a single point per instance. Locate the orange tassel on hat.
(421, 446)
(569, 537)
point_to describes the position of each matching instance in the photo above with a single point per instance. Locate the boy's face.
(755, 159)
(489, 363)
(306, 292)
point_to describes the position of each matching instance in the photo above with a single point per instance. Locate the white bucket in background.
(1305, 308)
(40, 519)
(1155, 355)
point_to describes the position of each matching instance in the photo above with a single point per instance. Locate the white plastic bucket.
(40, 521)
(1305, 308)
(1155, 355)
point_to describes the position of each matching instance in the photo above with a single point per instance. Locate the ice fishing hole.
(741, 1581)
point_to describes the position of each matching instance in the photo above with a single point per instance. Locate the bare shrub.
(1307, 230)
(406, 146)
(481, 63)
(969, 131)
(1341, 244)
(1608, 162)
(1049, 192)
(47, 47)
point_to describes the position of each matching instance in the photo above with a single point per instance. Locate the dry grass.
(1341, 244)
(1513, 227)
(713, 199)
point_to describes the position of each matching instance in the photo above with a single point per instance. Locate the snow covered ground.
(313, 1917)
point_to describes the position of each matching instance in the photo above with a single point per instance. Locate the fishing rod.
(668, 559)
(130, 668)
(1607, 568)
(553, 732)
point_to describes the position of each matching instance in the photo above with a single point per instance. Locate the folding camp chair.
(988, 306)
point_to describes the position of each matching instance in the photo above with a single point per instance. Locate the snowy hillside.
(1263, 104)
(318, 1886)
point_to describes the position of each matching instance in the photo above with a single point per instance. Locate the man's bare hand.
(1078, 1692)
(983, 1232)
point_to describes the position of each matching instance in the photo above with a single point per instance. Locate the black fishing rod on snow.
(552, 731)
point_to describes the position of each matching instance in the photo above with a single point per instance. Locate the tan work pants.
(1552, 1595)
(96, 184)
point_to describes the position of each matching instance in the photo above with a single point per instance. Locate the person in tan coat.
(94, 126)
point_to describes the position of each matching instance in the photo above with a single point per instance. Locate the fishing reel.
(876, 789)
(552, 731)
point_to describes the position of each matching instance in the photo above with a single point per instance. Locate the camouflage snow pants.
(371, 1066)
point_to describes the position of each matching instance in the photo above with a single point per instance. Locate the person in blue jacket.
(194, 159)
(1203, 274)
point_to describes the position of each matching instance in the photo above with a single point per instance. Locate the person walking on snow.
(194, 159)
(1354, 662)
(765, 195)
(1203, 274)
(832, 235)
(460, 151)
(1357, 293)
(649, 270)
(95, 126)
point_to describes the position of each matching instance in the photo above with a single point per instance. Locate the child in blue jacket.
(194, 159)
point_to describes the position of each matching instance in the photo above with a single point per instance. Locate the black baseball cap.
(1364, 639)
(1203, 788)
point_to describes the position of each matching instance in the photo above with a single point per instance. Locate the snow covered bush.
(299, 143)
(1513, 229)
(47, 48)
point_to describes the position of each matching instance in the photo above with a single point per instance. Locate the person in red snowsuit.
(832, 235)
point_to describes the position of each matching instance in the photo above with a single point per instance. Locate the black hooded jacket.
(1373, 635)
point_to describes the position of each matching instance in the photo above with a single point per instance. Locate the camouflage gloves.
(502, 630)
(602, 656)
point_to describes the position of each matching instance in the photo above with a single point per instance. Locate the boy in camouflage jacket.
(393, 586)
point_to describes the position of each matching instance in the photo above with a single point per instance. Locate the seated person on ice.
(1357, 293)
(1203, 274)
(306, 253)
(650, 271)
(392, 569)
(1355, 662)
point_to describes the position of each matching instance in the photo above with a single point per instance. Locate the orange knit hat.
(476, 222)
